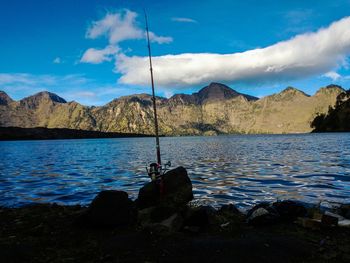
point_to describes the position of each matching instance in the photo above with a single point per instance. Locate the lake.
(243, 169)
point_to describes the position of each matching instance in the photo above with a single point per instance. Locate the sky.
(94, 51)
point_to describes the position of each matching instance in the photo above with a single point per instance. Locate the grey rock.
(229, 209)
(177, 192)
(200, 217)
(262, 214)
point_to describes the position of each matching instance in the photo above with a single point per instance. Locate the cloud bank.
(302, 56)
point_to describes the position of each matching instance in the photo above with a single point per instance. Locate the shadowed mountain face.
(337, 119)
(214, 109)
(218, 92)
(212, 92)
(4, 98)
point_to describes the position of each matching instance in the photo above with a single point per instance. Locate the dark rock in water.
(177, 191)
(345, 211)
(199, 217)
(262, 214)
(110, 209)
(289, 210)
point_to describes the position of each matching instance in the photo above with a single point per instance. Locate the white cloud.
(299, 57)
(96, 56)
(57, 60)
(159, 39)
(116, 27)
(183, 20)
(332, 75)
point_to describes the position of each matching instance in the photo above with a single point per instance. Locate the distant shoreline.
(41, 133)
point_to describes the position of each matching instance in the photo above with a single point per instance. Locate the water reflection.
(243, 169)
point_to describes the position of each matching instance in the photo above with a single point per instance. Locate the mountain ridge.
(145, 96)
(214, 109)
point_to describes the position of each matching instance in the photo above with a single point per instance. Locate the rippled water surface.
(243, 169)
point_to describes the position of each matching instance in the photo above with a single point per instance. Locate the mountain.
(218, 92)
(215, 109)
(212, 92)
(41, 98)
(4, 98)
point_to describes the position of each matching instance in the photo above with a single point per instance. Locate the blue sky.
(94, 51)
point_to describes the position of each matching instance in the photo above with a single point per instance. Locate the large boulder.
(229, 209)
(176, 191)
(110, 208)
(262, 214)
(199, 218)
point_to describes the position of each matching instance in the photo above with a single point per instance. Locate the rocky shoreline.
(166, 228)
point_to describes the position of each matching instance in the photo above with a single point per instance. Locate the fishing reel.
(155, 171)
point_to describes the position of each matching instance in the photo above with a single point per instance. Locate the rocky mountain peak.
(291, 91)
(41, 97)
(217, 91)
(334, 86)
(330, 89)
(51, 96)
(4, 98)
(182, 99)
(47, 96)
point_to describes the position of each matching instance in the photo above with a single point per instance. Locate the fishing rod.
(159, 161)
(155, 170)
